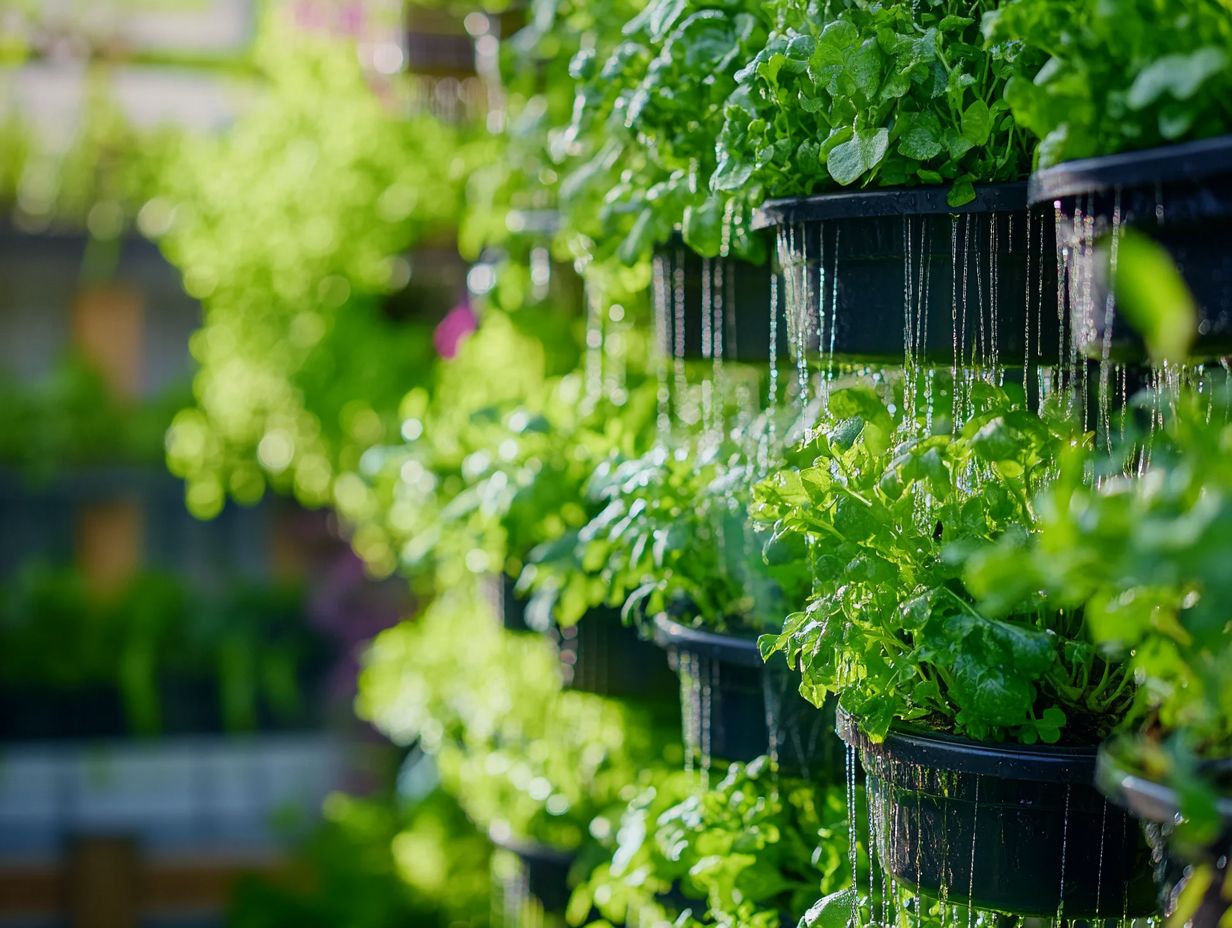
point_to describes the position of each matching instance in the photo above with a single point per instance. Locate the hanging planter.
(1181, 197)
(1011, 828)
(714, 307)
(883, 275)
(735, 708)
(1177, 864)
(600, 654)
(533, 882)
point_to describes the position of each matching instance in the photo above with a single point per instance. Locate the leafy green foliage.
(69, 418)
(1096, 77)
(376, 863)
(1143, 552)
(98, 182)
(673, 534)
(882, 94)
(890, 514)
(741, 855)
(249, 645)
(641, 143)
(1154, 297)
(521, 754)
(495, 457)
(290, 228)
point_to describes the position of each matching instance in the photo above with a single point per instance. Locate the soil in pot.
(1013, 829)
(889, 275)
(1181, 197)
(1175, 864)
(714, 307)
(735, 708)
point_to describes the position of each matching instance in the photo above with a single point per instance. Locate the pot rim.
(924, 200)
(675, 242)
(1037, 763)
(730, 649)
(1183, 161)
(1146, 798)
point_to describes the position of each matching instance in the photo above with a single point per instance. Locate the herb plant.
(743, 854)
(673, 535)
(642, 136)
(1097, 77)
(375, 862)
(300, 366)
(69, 418)
(1143, 551)
(885, 94)
(524, 756)
(889, 513)
(247, 651)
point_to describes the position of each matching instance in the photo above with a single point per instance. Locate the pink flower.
(457, 324)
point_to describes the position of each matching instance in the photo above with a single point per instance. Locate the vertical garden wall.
(806, 426)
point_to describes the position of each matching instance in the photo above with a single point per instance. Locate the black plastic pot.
(600, 654)
(509, 607)
(736, 708)
(733, 293)
(1180, 196)
(541, 880)
(1009, 828)
(1158, 808)
(885, 271)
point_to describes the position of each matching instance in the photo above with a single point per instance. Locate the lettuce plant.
(1143, 551)
(522, 755)
(641, 143)
(1096, 77)
(889, 513)
(870, 95)
(672, 534)
(743, 854)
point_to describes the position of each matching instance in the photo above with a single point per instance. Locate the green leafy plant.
(376, 862)
(301, 364)
(889, 513)
(525, 757)
(1142, 550)
(247, 649)
(642, 137)
(744, 854)
(673, 534)
(99, 182)
(69, 418)
(884, 94)
(1096, 77)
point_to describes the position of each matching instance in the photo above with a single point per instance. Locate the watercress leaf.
(1177, 75)
(962, 191)
(1155, 298)
(784, 547)
(976, 123)
(921, 139)
(702, 226)
(952, 22)
(996, 441)
(989, 693)
(832, 911)
(852, 159)
(845, 432)
(831, 52)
